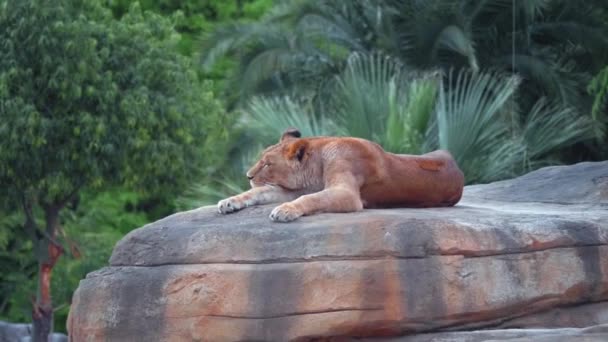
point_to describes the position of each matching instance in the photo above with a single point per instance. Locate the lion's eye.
(266, 165)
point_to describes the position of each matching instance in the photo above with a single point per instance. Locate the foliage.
(268, 117)
(15, 257)
(195, 16)
(283, 49)
(471, 114)
(478, 124)
(87, 101)
(599, 89)
(468, 124)
(555, 45)
(192, 18)
(550, 127)
(97, 223)
(311, 49)
(92, 81)
(377, 98)
(262, 123)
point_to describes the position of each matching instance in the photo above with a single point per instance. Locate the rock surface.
(21, 332)
(510, 250)
(591, 334)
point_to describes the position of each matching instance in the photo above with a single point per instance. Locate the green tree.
(86, 102)
(196, 16)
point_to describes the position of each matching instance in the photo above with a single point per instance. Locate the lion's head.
(281, 164)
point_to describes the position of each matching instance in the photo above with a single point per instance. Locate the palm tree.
(555, 45)
(476, 121)
(515, 74)
(376, 97)
(299, 44)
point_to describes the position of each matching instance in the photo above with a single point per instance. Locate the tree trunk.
(49, 252)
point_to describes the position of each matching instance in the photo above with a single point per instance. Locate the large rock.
(597, 333)
(509, 250)
(21, 332)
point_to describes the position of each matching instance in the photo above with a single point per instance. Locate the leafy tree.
(196, 16)
(87, 101)
(16, 261)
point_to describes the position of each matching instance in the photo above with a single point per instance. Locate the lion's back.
(432, 179)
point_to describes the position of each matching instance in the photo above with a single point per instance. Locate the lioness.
(332, 174)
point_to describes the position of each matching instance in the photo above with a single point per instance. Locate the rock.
(508, 250)
(574, 316)
(21, 332)
(592, 334)
(555, 184)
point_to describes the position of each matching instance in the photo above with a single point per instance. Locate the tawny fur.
(333, 174)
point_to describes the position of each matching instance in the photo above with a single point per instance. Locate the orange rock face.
(509, 250)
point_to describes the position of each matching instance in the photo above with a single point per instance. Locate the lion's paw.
(285, 212)
(230, 205)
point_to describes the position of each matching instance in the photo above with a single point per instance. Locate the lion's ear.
(290, 133)
(297, 150)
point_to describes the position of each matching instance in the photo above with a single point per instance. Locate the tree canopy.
(83, 99)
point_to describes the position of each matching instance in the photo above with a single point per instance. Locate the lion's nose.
(249, 176)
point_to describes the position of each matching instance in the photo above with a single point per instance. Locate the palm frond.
(598, 87)
(422, 96)
(550, 126)
(287, 10)
(592, 39)
(376, 98)
(410, 109)
(361, 93)
(529, 9)
(209, 193)
(425, 41)
(268, 117)
(230, 38)
(334, 30)
(468, 124)
(454, 38)
(546, 73)
(533, 9)
(263, 66)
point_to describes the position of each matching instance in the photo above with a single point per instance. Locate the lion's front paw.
(230, 205)
(285, 212)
